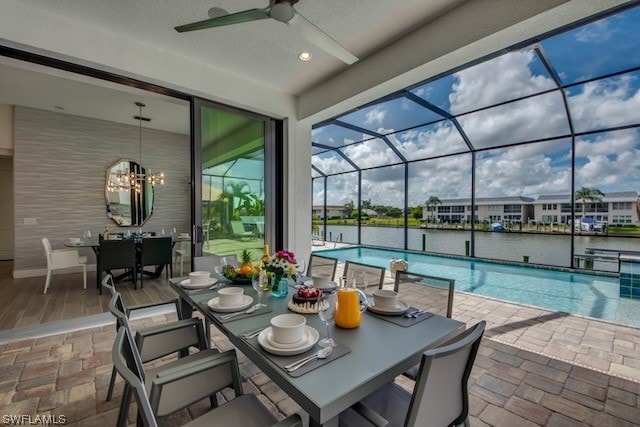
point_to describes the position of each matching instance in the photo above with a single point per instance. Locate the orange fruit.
(246, 269)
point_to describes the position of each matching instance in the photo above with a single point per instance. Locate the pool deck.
(535, 367)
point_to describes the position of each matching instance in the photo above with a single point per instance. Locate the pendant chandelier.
(133, 180)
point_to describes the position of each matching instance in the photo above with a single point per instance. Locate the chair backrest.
(178, 389)
(322, 264)
(208, 263)
(440, 397)
(440, 289)
(156, 251)
(375, 274)
(47, 250)
(123, 354)
(117, 254)
(107, 282)
(159, 342)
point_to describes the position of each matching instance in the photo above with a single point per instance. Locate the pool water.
(563, 291)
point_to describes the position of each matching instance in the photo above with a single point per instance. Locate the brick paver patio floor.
(534, 367)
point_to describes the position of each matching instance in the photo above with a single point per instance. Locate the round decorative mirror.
(129, 195)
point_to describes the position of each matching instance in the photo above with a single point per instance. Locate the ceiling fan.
(282, 11)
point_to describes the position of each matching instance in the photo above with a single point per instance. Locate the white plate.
(312, 339)
(305, 337)
(188, 285)
(214, 304)
(399, 309)
(332, 286)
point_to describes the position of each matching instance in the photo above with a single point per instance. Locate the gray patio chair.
(189, 384)
(374, 274)
(107, 282)
(322, 264)
(406, 278)
(208, 263)
(440, 396)
(156, 342)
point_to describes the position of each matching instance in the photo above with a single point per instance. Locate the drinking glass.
(327, 317)
(260, 284)
(87, 234)
(300, 267)
(219, 266)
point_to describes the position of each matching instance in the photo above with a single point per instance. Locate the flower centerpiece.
(281, 265)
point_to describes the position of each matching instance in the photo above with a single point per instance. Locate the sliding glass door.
(233, 188)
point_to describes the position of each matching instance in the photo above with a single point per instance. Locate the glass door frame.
(273, 173)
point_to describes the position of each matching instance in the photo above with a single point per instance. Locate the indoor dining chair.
(184, 386)
(440, 396)
(115, 255)
(156, 342)
(62, 258)
(156, 251)
(180, 253)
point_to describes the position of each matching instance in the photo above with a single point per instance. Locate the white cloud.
(597, 32)
(503, 78)
(375, 116)
(608, 103)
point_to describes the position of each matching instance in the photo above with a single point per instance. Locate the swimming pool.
(577, 293)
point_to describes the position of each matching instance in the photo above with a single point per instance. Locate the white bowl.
(199, 277)
(288, 328)
(321, 280)
(184, 234)
(384, 298)
(74, 240)
(230, 297)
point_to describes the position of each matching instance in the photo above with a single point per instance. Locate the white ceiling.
(265, 51)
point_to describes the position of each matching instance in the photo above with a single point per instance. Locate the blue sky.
(609, 161)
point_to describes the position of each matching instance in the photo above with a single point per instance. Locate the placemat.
(203, 306)
(403, 321)
(338, 351)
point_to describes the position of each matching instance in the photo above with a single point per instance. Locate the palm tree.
(433, 201)
(588, 194)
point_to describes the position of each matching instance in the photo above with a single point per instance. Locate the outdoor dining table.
(379, 351)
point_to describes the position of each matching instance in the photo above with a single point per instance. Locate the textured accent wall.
(60, 165)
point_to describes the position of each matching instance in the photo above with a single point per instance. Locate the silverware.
(253, 333)
(238, 313)
(418, 313)
(197, 291)
(323, 353)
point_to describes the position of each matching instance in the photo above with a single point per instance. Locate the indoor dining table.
(379, 351)
(94, 244)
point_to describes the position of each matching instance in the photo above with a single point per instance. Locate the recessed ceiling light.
(304, 56)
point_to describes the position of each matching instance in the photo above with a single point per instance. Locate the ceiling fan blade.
(316, 36)
(232, 18)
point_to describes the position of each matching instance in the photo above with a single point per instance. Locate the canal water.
(547, 249)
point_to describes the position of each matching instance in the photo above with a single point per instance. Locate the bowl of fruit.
(243, 273)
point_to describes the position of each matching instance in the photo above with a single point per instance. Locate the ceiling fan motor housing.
(282, 11)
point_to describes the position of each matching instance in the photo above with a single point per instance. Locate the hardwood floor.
(24, 304)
